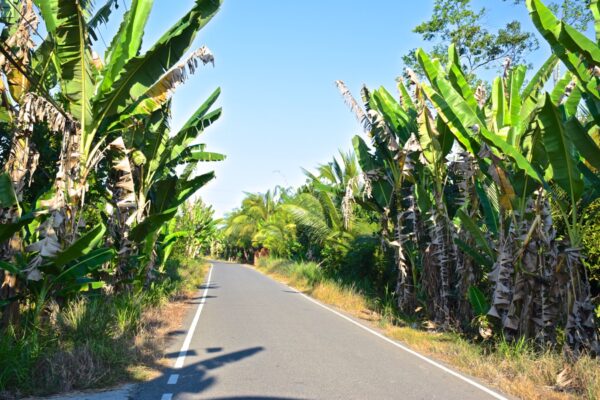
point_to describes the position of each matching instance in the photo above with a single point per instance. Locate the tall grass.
(92, 341)
(517, 367)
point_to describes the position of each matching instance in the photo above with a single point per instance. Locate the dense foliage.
(483, 203)
(92, 175)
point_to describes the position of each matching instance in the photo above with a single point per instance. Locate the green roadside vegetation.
(98, 340)
(96, 190)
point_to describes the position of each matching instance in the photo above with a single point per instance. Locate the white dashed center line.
(173, 379)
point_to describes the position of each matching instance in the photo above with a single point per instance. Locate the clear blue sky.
(276, 63)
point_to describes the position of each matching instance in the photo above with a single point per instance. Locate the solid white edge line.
(173, 379)
(379, 335)
(186, 343)
(414, 353)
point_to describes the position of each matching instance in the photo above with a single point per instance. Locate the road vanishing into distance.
(251, 337)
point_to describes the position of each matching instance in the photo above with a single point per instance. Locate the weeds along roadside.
(96, 340)
(516, 368)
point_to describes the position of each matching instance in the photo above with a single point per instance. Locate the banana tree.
(21, 110)
(387, 175)
(158, 190)
(523, 147)
(106, 98)
(102, 100)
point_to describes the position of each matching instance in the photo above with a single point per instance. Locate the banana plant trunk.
(22, 159)
(405, 287)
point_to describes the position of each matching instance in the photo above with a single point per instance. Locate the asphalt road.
(258, 339)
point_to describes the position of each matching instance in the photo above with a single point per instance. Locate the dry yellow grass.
(521, 373)
(345, 299)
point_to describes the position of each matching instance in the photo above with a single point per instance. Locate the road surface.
(251, 337)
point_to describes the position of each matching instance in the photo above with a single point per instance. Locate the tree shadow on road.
(195, 378)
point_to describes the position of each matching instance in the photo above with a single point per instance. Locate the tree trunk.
(8, 290)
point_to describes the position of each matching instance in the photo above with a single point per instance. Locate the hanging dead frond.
(47, 244)
(406, 226)
(381, 132)
(506, 64)
(481, 95)
(568, 90)
(413, 79)
(36, 109)
(407, 236)
(525, 307)
(502, 277)
(463, 167)
(367, 187)
(124, 213)
(581, 331)
(348, 200)
(124, 190)
(554, 277)
(156, 96)
(97, 61)
(354, 107)
(410, 148)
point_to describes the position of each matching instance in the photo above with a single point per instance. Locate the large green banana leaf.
(141, 72)
(81, 246)
(538, 81)
(74, 57)
(151, 224)
(405, 97)
(187, 188)
(167, 194)
(516, 78)
(559, 95)
(87, 263)
(500, 113)
(451, 120)
(392, 113)
(193, 124)
(127, 42)
(44, 64)
(9, 229)
(49, 11)
(568, 44)
(196, 153)
(559, 32)
(458, 79)
(381, 189)
(464, 122)
(595, 9)
(180, 141)
(561, 151)
(583, 142)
